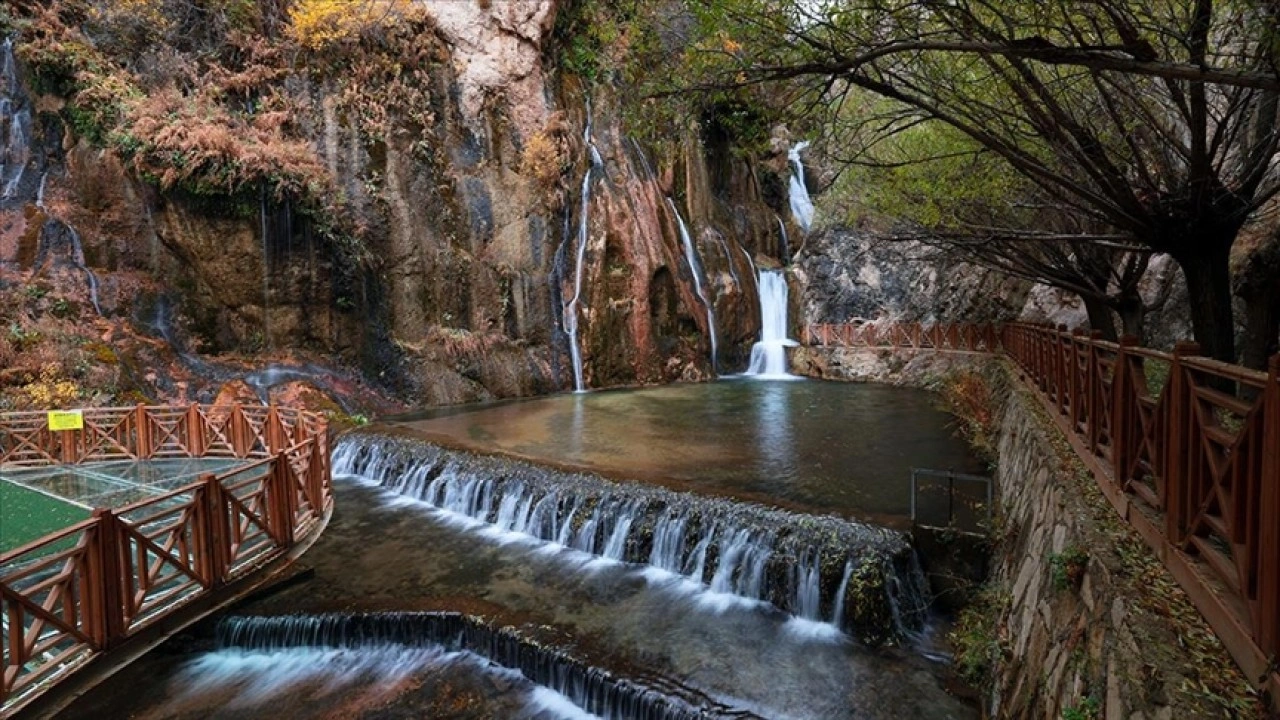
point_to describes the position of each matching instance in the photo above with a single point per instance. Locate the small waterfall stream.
(801, 203)
(15, 125)
(398, 644)
(695, 270)
(736, 552)
(570, 314)
(61, 242)
(769, 356)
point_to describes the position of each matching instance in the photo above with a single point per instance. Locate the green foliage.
(1090, 708)
(976, 636)
(1067, 567)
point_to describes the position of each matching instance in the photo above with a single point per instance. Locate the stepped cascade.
(800, 564)
(394, 639)
(769, 356)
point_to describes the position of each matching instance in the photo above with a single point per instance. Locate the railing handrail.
(1193, 465)
(64, 607)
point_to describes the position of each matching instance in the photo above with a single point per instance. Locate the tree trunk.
(1208, 278)
(1133, 317)
(1259, 288)
(1100, 317)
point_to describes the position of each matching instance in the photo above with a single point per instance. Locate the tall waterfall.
(15, 124)
(769, 356)
(729, 552)
(570, 315)
(691, 256)
(801, 204)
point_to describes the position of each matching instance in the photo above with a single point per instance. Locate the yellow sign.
(66, 420)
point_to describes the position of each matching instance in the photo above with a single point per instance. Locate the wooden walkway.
(76, 594)
(1185, 448)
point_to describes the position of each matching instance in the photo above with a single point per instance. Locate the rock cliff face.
(849, 275)
(468, 198)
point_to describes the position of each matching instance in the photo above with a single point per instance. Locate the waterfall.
(729, 551)
(801, 204)
(400, 644)
(59, 238)
(691, 257)
(77, 257)
(16, 120)
(44, 178)
(769, 356)
(570, 314)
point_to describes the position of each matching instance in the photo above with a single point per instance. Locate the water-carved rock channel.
(471, 572)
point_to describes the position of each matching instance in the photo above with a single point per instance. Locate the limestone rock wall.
(464, 259)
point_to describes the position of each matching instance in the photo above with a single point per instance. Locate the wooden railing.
(76, 593)
(938, 336)
(1187, 450)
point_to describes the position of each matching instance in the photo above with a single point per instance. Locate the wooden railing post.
(1268, 631)
(142, 433)
(195, 440)
(1124, 410)
(1177, 465)
(1076, 385)
(111, 594)
(217, 530)
(283, 499)
(1093, 390)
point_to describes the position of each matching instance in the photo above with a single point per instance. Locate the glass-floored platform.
(37, 501)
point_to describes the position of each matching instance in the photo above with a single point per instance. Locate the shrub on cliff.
(321, 24)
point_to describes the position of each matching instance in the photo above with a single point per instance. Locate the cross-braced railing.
(81, 591)
(1187, 449)
(900, 336)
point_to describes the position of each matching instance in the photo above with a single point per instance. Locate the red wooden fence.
(78, 592)
(1187, 450)
(938, 336)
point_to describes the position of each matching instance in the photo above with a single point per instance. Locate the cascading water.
(15, 123)
(59, 240)
(769, 356)
(730, 549)
(691, 257)
(570, 314)
(801, 203)
(399, 644)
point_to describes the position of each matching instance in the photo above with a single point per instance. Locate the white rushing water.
(801, 203)
(691, 257)
(15, 154)
(262, 679)
(769, 356)
(570, 313)
(720, 557)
